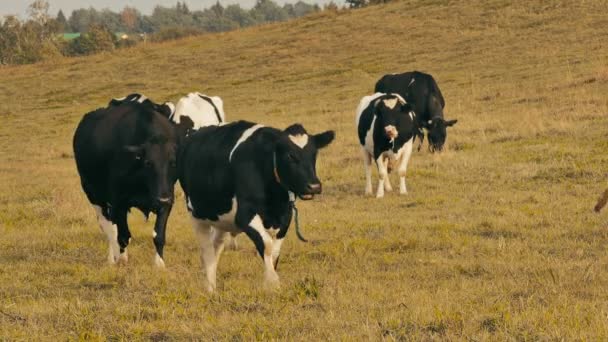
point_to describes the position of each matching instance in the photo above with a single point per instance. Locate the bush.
(170, 33)
(97, 39)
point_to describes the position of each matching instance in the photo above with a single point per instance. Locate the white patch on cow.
(140, 99)
(199, 110)
(430, 122)
(188, 203)
(299, 139)
(411, 82)
(276, 250)
(154, 234)
(390, 103)
(120, 99)
(171, 108)
(246, 134)
(111, 231)
(271, 278)
(158, 261)
(412, 114)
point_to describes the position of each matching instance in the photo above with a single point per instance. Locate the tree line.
(41, 35)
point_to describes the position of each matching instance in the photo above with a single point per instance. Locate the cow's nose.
(314, 188)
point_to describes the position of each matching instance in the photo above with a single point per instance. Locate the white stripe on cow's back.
(246, 134)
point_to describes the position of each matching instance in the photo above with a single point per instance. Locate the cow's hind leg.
(403, 161)
(111, 231)
(204, 233)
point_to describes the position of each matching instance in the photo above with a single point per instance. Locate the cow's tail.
(601, 202)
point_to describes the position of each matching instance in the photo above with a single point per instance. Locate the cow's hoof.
(271, 281)
(123, 258)
(158, 261)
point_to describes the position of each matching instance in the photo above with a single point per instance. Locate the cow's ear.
(136, 151)
(324, 139)
(450, 123)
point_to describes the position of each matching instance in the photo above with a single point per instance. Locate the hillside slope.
(496, 239)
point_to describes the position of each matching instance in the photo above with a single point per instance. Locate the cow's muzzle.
(391, 132)
(311, 191)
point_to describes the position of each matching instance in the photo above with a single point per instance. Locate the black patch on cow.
(217, 112)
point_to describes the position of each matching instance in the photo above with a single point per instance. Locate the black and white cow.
(126, 157)
(167, 109)
(422, 92)
(203, 110)
(386, 125)
(239, 177)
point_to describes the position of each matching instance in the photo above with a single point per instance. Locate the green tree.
(239, 15)
(97, 39)
(268, 11)
(62, 22)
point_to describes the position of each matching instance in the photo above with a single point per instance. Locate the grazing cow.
(203, 110)
(167, 109)
(421, 91)
(126, 157)
(243, 177)
(386, 125)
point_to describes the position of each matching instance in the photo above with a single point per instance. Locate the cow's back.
(205, 170)
(418, 89)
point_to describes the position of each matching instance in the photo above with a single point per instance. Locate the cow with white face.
(386, 125)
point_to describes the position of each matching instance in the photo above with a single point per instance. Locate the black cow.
(167, 109)
(126, 157)
(386, 125)
(421, 91)
(243, 177)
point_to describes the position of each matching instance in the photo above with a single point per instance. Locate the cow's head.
(438, 132)
(393, 114)
(154, 164)
(295, 159)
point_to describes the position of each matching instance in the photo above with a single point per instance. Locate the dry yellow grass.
(497, 239)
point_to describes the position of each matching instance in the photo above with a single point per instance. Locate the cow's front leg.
(253, 226)
(160, 226)
(403, 161)
(382, 175)
(111, 231)
(124, 235)
(421, 136)
(367, 165)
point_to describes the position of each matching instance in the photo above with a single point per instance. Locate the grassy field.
(496, 240)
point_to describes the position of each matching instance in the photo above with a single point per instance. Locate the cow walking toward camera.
(126, 158)
(422, 92)
(386, 125)
(243, 177)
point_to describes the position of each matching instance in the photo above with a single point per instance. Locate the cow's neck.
(277, 178)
